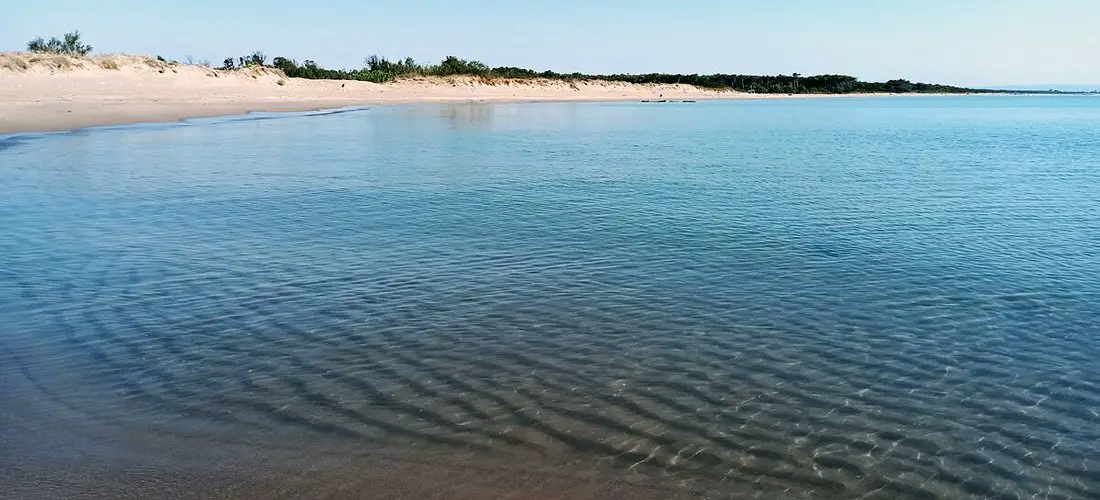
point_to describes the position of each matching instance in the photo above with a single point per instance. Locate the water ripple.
(875, 314)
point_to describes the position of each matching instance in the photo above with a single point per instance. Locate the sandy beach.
(49, 92)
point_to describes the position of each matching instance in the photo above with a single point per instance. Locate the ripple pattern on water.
(875, 301)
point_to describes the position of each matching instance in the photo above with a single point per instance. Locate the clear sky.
(968, 42)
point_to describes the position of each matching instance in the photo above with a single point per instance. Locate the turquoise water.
(826, 298)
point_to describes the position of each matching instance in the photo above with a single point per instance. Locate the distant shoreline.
(50, 93)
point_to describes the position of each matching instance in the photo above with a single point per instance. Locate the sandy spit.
(49, 93)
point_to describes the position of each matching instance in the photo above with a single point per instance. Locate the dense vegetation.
(68, 45)
(379, 70)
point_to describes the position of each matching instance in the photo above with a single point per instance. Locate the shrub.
(282, 63)
(39, 45)
(257, 58)
(455, 66)
(69, 45)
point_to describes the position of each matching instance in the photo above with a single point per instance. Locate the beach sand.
(48, 93)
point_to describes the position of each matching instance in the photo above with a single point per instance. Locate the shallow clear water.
(897, 297)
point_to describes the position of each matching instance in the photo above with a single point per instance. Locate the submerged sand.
(49, 449)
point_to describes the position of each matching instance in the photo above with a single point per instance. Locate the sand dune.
(40, 92)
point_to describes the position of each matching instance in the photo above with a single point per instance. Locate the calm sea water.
(889, 297)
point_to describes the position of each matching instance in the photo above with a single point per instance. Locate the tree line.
(379, 69)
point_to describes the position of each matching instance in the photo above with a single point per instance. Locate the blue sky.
(970, 42)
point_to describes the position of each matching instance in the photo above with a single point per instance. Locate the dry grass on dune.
(116, 66)
(30, 62)
(13, 62)
(21, 62)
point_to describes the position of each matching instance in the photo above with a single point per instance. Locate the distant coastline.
(53, 92)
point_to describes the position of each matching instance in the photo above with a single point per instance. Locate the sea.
(857, 297)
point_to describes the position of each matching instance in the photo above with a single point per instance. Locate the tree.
(228, 63)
